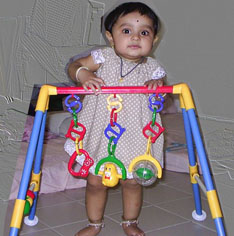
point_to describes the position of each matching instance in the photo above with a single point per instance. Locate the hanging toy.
(110, 176)
(113, 132)
(78, 139)
(145, 168)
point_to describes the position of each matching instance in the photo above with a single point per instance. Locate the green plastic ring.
(154, 116)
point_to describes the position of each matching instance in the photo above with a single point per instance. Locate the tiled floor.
(166, 211)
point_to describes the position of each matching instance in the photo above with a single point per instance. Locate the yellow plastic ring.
(114, 103)
(78, 143)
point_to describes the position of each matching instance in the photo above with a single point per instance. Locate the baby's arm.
(86, 77)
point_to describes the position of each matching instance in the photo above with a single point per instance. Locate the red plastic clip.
(113, 117)
(81, 133)
(84, 170)
(157, 133)
(30, 194)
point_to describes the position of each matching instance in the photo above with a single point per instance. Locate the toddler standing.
(131, 30)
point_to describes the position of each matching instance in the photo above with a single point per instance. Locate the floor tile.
(183, 185)
(114, 203)
(75, 194)
(79, 193)
(62, 214)
(185, 207)
(115, 189)
(43, 232)
(228, 219)
(70, 229)
(226, 194)
(171, 176)
(166, 211)
(25, 229)
(152, 218)
(50, 199)
(163, 193)
(185, 229)
(111, 228)
(6, 211)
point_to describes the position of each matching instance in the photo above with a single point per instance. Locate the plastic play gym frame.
(32, 168)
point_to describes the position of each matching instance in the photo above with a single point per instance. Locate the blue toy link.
(158, 103)
(73, 104)
(117, 135)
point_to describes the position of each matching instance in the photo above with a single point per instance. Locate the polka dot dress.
(134, 116)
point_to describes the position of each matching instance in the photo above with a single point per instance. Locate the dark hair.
(130, 7)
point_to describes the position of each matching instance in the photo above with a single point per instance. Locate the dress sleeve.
(159, 73)
(103, 54)
(156, 70)
(97, 56)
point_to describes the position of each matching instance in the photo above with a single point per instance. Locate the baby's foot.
(131, 229)
(90, 230)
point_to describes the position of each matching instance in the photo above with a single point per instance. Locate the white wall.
(197, 48)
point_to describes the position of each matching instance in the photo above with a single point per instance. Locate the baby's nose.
(135, 36)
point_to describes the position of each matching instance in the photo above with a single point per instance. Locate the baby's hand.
(89, 79)
(154, 83)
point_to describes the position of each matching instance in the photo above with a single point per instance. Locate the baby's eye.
(126, 31)
(145, 33)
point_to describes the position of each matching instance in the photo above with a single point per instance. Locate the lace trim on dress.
(159, 73)
(97, 56)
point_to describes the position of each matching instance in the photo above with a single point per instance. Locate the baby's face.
(132, 36)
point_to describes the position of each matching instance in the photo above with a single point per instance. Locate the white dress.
(134, 116)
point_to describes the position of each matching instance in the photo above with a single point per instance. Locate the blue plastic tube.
(37, 163)
(192, 160)
(28, 163)
(204, 165)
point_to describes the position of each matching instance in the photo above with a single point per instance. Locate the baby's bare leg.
(95, 199)
(132, 203)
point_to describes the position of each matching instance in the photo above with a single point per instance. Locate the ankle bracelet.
(97, 225)
(129, 222)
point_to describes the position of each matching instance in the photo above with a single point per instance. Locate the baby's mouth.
(134, 46)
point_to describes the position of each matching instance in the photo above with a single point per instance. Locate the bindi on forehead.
(137, 20)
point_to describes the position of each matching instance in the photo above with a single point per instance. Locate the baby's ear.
(156, 38)
(110, 38)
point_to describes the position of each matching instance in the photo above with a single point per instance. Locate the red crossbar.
(115, 90)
